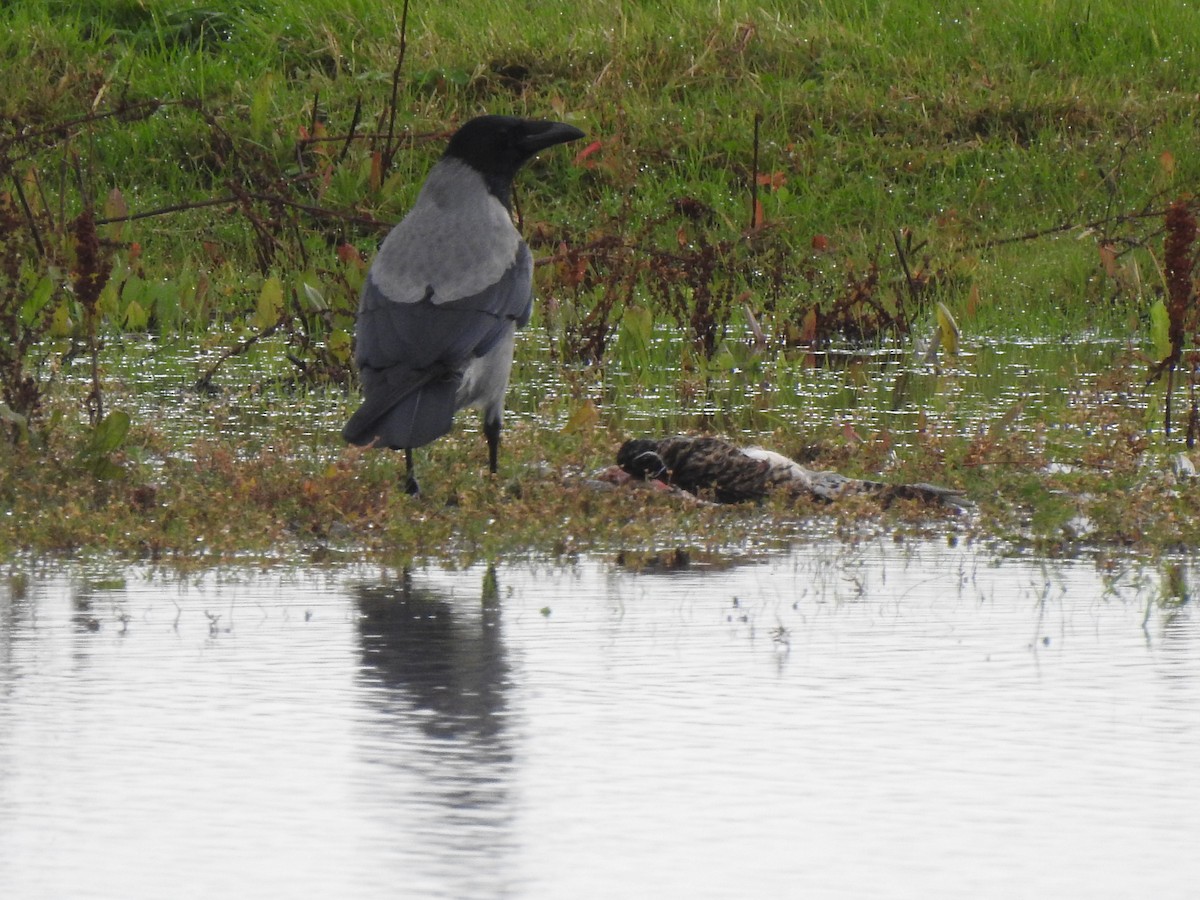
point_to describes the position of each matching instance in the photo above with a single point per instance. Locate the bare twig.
(908, 278)
(754, 174)
(1106, 222)
(33, 229)
(389, 150)
(142, 109)
(321, 212)
(204, 382)
(312, 122)
(167, 210)
(317, 211)
(268, 242)
(353, 126)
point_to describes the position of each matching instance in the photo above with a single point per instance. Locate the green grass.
(987, 137)
(964, 124)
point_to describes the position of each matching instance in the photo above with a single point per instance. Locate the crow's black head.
(497, 146)
(641, 460)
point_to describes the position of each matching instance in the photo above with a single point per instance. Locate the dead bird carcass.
(715, 468)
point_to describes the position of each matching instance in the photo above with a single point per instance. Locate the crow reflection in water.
(434, 681)
(433, 652)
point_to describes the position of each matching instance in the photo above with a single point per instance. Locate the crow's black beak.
(540, 135)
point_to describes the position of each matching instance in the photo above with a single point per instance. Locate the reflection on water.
(882, 720)
(434, 681)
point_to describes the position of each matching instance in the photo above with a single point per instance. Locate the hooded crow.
(448, 289)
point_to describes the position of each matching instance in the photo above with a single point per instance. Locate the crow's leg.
(410, 480)
(491, 430)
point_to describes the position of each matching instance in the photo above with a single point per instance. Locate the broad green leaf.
(105, 469)
(110, 298)
(166, 309)
(355, 276)
(1160, 330)
(61, 324)
(947, 330)
(110, 433)
(136, 318)
(583, 418)
(37, 300)
(270, 304)
(339, 345)
(633, 342)
(723, 360)
(316, 300)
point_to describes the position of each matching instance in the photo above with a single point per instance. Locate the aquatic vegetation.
(1178, 319)
(770, 210)
(52, 274)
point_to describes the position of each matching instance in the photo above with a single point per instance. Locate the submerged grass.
(253, 478)
(1012, 161)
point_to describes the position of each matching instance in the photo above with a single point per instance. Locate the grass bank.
(823, 172)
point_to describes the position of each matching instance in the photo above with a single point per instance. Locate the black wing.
(411, 355)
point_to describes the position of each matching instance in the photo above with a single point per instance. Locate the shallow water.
(885, 389)
(881, 720)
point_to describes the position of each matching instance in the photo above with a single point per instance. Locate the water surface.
(901, 720)
(1020, 382)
